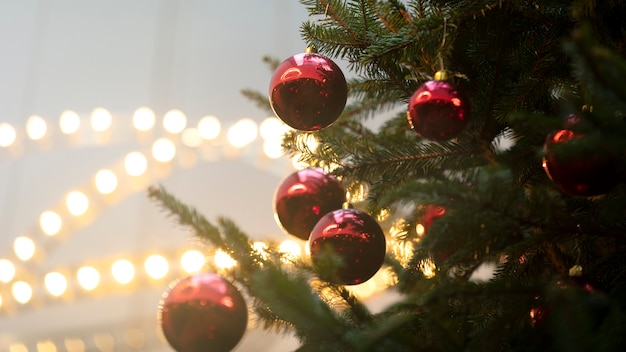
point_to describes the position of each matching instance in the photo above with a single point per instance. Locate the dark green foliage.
(526, 66)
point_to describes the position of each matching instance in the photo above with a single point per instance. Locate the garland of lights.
(106, 182)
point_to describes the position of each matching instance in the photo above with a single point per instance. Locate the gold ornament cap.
(441, 75)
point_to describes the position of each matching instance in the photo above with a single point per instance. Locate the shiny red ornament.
(355, 238)
(585, 172)
(308, 92)
(437, 111)
(303, 198)
(203, 312)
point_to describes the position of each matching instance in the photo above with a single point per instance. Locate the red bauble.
(303, 198)
(308, 91)
(585, 172)
(356, 238)
(202, 313)
(437, 111)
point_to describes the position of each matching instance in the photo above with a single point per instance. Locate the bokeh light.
(7, 134)
(223, 260)
(191, 137)
(106, 181)
(192, 261)
(123, 271)
(50, 223)
(24, 248)
(36, 127)
(69, 122)
(88, 277)
(163, 150)
(156, 266)
(55, 283)
(135, 164)
(100, 119)
(7, 270)
(209, 127)
(242, 133)
(77, 203)
(22, 292)
(143, 119)
(174, 121)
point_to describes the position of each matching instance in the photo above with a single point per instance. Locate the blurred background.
(99, 100)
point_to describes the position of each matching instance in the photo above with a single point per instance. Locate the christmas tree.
(503, 149)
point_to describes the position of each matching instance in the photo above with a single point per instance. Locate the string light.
(24, 248)
(192, 261)
(88, 277)
(174, 121)
(242, 133)
(290, 250)
(50, 223)
(69, 122)
(7, 270)
(36, 127)
(191, 137)
(143, 119)
(106, 181)
(209, 127)
(135, 164)
(77, 203)
(223, 260)
(163, 150)
(156, 266)
(55, 283)
(46, 346)
(100, 119)
(22, 292)
(123, 271)
(7, 134)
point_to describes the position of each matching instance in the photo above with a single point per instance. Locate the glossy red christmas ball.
(355, 238)
(304, 197)
(308, 91)
(203, 312)
(582, 172)
(437, 111)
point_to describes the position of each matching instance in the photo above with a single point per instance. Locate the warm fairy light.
(272, 128)
(77, 203)
(46, 346)
(74, 345)
(310, 140)
(242, 133)
(428, 268)
(273, 148)
(36, 127)
(143, 119)
(69, 122)
(50, 223)
(191, 137)
(156, 266)
(297, 163)
(18, 347)
(7, 270)
(135, 163)
(174, 121)
(100, 119)
(223, 260)
(261, 248)
(209, 127)
(123, 271)
(290, 250)
(106, 181)
(192, 261)
(88, 277)
(420, 230)
(7, 134)
(163, 150)
(357, 193)
(104, 342)
(22, 292)
(24, 248)
(55, 283)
